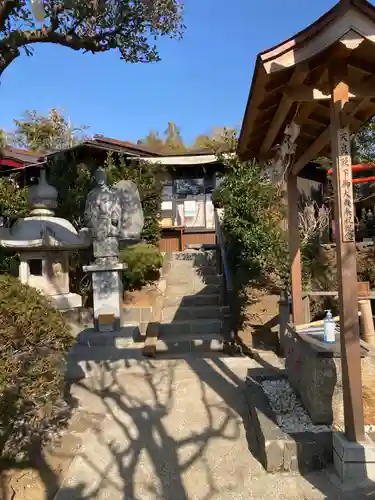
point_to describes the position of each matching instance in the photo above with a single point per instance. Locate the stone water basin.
(314, 371)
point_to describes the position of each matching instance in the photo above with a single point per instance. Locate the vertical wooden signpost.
(346, 256)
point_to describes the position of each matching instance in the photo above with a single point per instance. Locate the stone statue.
(103, 217)
(132, 219)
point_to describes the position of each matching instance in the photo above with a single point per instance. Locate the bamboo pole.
(319, 322)
(366, 321)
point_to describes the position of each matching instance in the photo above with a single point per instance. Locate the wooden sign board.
(363, 289)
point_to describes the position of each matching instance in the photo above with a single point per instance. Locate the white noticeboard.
(166, 205)
(189, 208)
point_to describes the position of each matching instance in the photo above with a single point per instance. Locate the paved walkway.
(173, 431)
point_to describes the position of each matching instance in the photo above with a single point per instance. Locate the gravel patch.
(290, 415)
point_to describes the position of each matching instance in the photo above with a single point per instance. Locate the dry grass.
(368, 387)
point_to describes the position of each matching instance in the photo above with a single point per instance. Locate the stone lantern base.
(48, 271)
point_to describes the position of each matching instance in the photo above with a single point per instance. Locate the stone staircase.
(193, 318)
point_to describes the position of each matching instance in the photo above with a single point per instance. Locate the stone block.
(353, 461)
(184, 313)
(194, 327)
(316, 379)
(66, 301)
(91, 337)
(131, 315)
(276, 450)
(107, 291)
(191, 300)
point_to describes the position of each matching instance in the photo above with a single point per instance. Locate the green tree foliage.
(174, 141)
(153, 141)
(363, 143)
(89, 25)
(143, 263)
(34, 340)
(40, 133)
(13, 204)
(171, 142)
(219, 137)
(3, 139)
(13, 198)
(252, 216)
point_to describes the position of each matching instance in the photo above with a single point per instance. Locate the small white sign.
(166, 205)
(189, 208)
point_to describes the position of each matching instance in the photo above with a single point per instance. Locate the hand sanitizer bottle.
(329, 328)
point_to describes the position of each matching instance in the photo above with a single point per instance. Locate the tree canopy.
(38, 132)
(89, 25)
(172, 141)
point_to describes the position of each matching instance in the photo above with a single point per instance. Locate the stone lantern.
(43, 242)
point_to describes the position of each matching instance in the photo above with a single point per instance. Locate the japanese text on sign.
(345, 185)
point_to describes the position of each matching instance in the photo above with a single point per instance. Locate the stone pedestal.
(354, 462)
(107, 295)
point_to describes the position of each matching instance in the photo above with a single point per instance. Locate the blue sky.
(201, 82)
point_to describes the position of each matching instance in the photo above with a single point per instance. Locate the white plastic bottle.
(329, 328)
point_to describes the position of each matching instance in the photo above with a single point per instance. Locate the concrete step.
(198, 259)
(91, 361)
(189, 278)
(209, 266)
(192, 327)
(201, 300)
(183, 313)
(191, 289)
(126, 335)
(186, 344)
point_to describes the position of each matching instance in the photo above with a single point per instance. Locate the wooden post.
(346, 256)
(284, 318)
(294, 249)
(306, 309)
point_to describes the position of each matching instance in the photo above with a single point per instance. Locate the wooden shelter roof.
(290, 83)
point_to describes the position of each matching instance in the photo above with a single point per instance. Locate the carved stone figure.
(132, 219)
(103, 216)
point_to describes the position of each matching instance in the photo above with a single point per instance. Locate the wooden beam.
(317, 146)
(255, 98)
(311, 152)
(295, 249)
(346, 256)
(317, 92)
(278, 120)
(307, 93)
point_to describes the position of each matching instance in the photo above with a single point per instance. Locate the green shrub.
(144, 262)
(253, 211)
(33, 342)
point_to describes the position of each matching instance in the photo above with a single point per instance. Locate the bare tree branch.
(310, 227)
(6, 7)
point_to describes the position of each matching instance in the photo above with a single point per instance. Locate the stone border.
(276, 450)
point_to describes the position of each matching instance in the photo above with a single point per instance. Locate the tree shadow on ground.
(134, 444)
